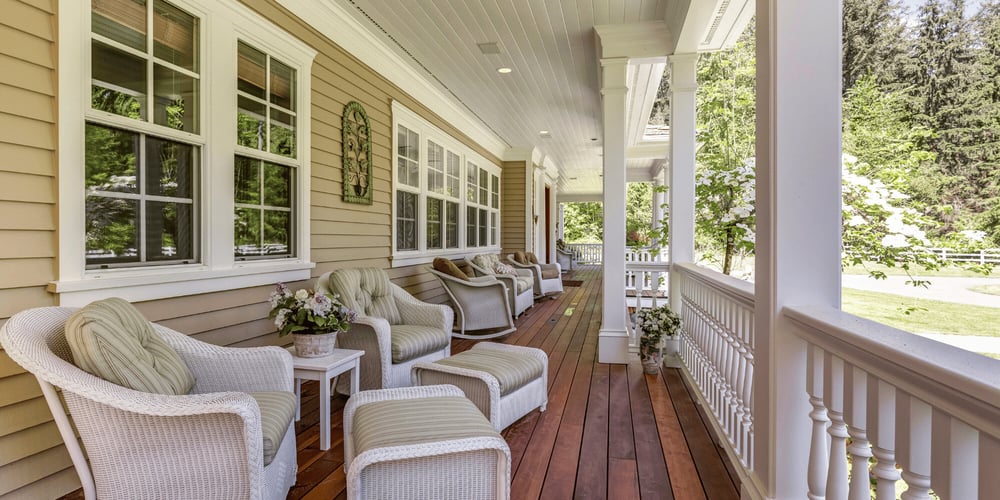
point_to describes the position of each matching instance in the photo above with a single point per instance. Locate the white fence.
(587, 253)
(990, 256)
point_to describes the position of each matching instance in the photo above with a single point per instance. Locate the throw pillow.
(448, 267)
(521, 258)
(531, 258)
(502, 268)
(111, 339)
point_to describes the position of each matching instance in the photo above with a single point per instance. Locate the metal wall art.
(357, 141)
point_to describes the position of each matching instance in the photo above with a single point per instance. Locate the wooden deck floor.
(609, 431)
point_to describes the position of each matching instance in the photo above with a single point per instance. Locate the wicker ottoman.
(422, 442)
(505, 382)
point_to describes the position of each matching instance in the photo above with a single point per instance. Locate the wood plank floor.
(610, 431)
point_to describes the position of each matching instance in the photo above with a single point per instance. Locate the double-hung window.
(446, 197)
(184, 153)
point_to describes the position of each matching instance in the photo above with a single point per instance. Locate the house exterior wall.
(513, 214)
(33, 462)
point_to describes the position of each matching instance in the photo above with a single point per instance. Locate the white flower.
(895, 240)
(973, 235)
(856, 221)
(279, 319)
(302, 294)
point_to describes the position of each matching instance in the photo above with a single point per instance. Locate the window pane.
(470, 226)
(494, 228)
(175, 36)
(483, 227)
(434, 222)
(247, 180)
(454, 175)
(277, 185)
(169, 168)
(406, 226)
(250, 117)
(484, 187)
(250, 69)
(112, 230)
(169, 231)
(471, 176)
(451, 229)
(282, 133)
(495, 191)
(111, 159)
(118, 82)
(277, 232)
(246, 229)
(435, 168)
(282, 85)
(121, 20)
(175, 102)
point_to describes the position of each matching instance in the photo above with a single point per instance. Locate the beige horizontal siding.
(512, 210)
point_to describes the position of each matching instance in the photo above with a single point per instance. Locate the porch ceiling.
(550, 47)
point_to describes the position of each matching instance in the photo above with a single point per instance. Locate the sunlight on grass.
(895, 271)
(931, 316)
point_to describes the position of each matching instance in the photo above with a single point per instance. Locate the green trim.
(357, 158)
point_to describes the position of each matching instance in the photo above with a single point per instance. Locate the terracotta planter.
(314, 345)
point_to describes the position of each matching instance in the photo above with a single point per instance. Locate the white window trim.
(222, 23)
(401, 115)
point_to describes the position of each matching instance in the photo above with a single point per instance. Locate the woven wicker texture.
(481, 303)
(464, 468)
(520, 288)
(543, 286)
(141, 445)
(373, 334)
(483, 388)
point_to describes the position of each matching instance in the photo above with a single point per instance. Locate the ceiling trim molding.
(648, 150)
(580, 198)
(645, 40)
(336, 24)
(529, 155)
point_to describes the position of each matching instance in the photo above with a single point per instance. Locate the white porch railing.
(717, 350)
(587, 253)
(928, 413)
(931, 409)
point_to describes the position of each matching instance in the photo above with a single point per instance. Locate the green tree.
(724, 208)
(873, 41)
(986, 94)
(584, 222)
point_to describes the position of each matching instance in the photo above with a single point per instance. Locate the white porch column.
(798, 221)
(683, 87)
(612, 346)
(658, 213)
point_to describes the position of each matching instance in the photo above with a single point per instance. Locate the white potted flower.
(656, 324)
(313, 318)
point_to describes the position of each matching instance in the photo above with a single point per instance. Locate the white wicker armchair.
(393, 328)
(520, 288)
(141, 445)
(566, 259)
(481, 303)
(548, 277)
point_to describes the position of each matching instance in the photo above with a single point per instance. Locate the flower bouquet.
(655, 323)
(313, 317)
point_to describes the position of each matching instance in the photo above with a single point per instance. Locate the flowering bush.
(656, 323)
(306, 311)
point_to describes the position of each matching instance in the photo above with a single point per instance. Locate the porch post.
(612, 346)
(683, 87)
(658, 213)
(798, 221)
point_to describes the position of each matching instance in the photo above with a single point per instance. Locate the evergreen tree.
(873, 41)
(986, 95)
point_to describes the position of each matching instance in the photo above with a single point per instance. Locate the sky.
(913, 6)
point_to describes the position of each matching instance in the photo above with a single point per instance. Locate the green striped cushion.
(524, 283)
(413, 341)
(415, 421)
(112, 340)
(512, 369)
(276, 411)
(367, 291)
(486, 261)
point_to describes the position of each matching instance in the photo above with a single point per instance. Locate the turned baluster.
(819, 446)
(855, 413)
(833, 398)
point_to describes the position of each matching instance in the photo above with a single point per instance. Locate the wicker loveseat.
(205, 444)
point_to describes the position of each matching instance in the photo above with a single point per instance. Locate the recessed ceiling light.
(504, 70)
(544, 132)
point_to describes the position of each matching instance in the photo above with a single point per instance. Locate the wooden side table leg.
(324, 414)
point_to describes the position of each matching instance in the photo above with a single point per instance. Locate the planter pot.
(651, 365)
(671, 352)
(314, 345)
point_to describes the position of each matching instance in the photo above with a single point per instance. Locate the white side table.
(323, 369)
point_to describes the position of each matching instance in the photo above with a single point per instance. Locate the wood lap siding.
(512, 210)
(33, 462)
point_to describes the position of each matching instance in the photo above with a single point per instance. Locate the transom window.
(440, 186)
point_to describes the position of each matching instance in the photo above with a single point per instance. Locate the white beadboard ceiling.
(550, 46)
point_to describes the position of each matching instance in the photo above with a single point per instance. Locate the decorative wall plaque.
(357, 142)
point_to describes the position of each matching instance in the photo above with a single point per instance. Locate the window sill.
(175, 281)
(403, 259)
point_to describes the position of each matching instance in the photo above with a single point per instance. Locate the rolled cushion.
(531, 257)
(276, 411)
(413, 341)
(448, 267)
(486, 261)
(112, 340)
(512, 369)
(521, 258)
(417, 421)
(548, 274)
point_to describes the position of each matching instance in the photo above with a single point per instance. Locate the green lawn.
(987, 289)
(932, 316)
(944, 271)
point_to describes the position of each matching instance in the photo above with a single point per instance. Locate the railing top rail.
(738, 289)
(957, 381)
(650, 266)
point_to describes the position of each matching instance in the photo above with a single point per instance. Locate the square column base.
(612, 347)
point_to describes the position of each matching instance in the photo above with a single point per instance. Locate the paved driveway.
(947, 289)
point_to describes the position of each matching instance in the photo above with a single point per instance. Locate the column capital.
(683, 72)
(614, 75)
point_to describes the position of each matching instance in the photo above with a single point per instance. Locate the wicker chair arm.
(372, 335)
(416, 312)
